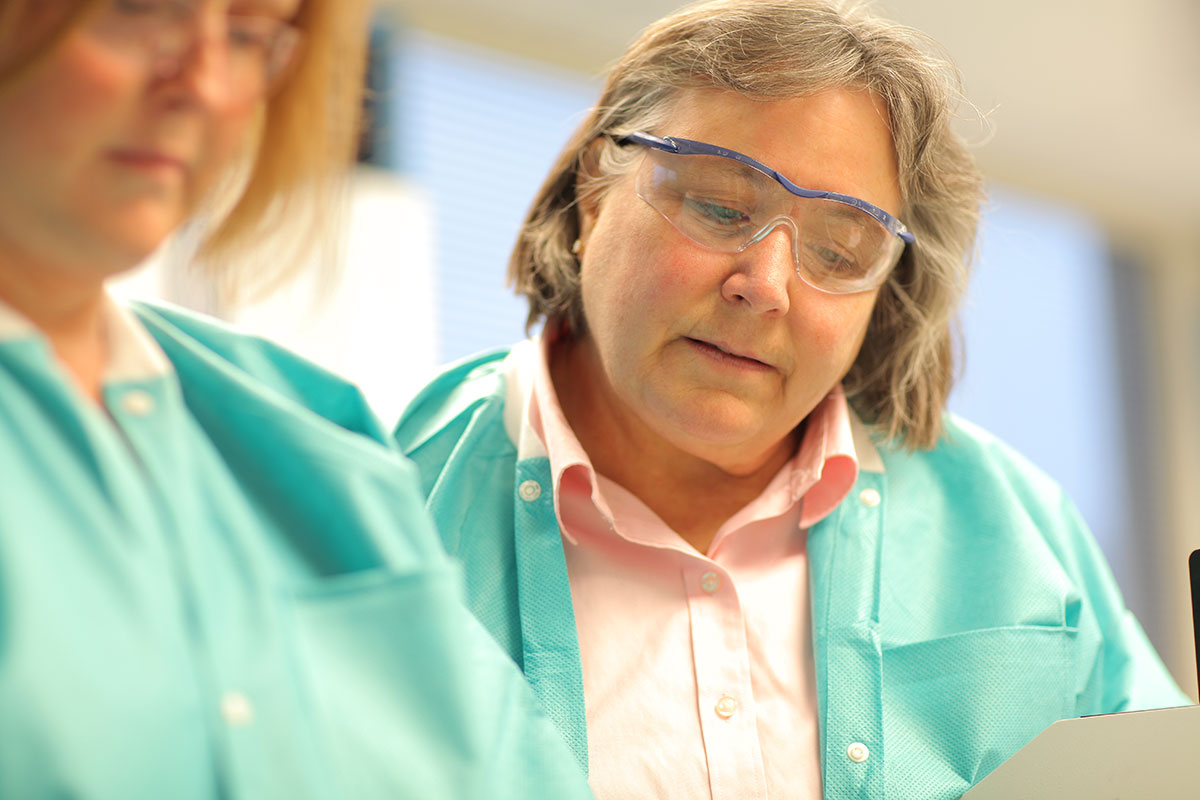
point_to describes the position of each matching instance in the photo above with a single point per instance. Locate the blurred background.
(1082, 328)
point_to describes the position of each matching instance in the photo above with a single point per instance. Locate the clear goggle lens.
(727, 206)
(255, 51)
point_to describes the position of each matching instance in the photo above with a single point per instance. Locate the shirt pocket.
(956, 707)
(384, 659)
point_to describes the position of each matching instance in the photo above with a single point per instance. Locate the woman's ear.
(587, 195)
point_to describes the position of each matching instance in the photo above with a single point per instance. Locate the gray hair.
(774, 49)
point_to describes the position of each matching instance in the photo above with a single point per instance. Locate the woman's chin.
(130, 247)
(731, 438)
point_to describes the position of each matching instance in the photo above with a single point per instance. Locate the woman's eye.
(251, 32)
(716, 213)
(137, 6)
(832, 259)
(172, 10)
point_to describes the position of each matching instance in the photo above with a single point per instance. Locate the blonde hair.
(307, 135)
(310, 133)
(30, 28)
(772, 49)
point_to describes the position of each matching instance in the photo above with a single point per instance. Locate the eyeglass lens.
(255, 50)
(728, 206)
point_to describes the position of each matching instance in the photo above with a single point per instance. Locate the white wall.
(371, 319)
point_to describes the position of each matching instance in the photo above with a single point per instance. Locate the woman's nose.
(763, 273)
(195, 59)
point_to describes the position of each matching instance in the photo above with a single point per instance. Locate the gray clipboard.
(1136, 755)
(1129, 756)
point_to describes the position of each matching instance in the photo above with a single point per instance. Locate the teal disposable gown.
(959, 604)
(229, 589)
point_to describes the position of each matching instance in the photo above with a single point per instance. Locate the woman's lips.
(726, 355)
(151, 162)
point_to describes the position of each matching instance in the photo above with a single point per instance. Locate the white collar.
(133, 354)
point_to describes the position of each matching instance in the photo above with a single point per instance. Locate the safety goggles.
(252, 51)
(726, 201)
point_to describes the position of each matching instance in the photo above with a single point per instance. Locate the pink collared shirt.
(697, 667)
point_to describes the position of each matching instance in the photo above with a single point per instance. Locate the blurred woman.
(212, 584)
(717, 510)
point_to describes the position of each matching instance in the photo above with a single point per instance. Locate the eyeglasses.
(726, 201)
(254, 51)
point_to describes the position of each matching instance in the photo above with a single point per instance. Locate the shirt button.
(726, 707)
(237, 709)
(530, 491)
(869, 498)
(858, 752)
(138, 403)
(710, 582)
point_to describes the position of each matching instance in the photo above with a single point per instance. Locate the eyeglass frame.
(690, 147)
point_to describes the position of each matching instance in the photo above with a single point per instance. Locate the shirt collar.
(825, 466)
(133, 354)
(544, 418)
(14, 325)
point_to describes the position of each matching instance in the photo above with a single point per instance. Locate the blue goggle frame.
(686, 147)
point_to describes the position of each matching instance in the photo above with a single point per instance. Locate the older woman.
(208, 590)
(717, 511)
